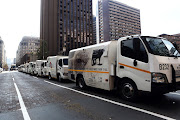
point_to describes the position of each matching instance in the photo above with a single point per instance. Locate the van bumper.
(162, 88)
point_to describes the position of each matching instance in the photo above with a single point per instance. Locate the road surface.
(26, 97)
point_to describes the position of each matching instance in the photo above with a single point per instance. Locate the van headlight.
(159, 78)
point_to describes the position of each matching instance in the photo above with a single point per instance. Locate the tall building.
(28, 45)
(172, 38)
(117, 20)
(66, 25)
(2, 53)
(94, 29)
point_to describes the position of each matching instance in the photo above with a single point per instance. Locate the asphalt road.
(26, 97)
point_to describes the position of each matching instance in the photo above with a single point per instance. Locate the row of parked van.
(54, 67)
(130, 65)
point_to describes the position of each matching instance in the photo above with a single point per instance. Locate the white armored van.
(130, 65)
(33, 65)
(31, 68)
(23, 68)
(44, 68)
(39, 67)
(57, 67)
(26, 68)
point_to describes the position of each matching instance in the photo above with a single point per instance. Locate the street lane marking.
(22, 105)
(35, 77)
(113, 102)
(13, 79)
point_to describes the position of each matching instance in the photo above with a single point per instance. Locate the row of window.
(121, 6)
(124, 13)
(118, 28)
(124, 21)
(117, 16)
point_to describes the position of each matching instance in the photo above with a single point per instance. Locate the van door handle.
(121, 67)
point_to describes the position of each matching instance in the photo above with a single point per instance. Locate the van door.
(133, 63)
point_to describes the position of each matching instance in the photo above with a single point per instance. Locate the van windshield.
(161, 47)
(65, 61)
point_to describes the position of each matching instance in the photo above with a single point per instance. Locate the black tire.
(80, 83)
(128, 90)
(60, 78)
(42, 74)
(50, 78)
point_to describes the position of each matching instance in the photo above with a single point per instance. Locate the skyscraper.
(117, 20)
(66, 25)
(94, 29)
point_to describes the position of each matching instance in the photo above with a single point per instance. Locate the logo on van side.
(97, 55)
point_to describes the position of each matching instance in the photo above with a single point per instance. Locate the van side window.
(60, 62)
(127, 49)
(134, 49)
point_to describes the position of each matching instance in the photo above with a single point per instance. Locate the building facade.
(2, 53)
(28, 45)
(117, 20)
(172, 38)
(66, 25)
(94, 29)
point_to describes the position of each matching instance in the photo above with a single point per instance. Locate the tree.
(5, 67)
(42, 52)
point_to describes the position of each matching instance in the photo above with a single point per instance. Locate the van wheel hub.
(128, 90)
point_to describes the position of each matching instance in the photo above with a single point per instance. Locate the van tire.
(128, 90)
(42, 74)
(49, 77)
(59, 78)
(80, 83)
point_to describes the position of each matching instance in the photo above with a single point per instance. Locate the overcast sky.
(20, 18)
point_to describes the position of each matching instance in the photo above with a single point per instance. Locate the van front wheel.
(80, 82)
(59, 78)
(128, 90)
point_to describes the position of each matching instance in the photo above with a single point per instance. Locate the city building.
(94, 29)
(2, 53)
(14, 60)
(172, 38)
(28, 45)
(117, 20)
(66, 25)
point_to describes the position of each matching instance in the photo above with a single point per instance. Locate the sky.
(20, 18)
